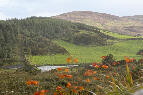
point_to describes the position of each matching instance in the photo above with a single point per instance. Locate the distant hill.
(136, 17)
(36, 36)
(122, 25)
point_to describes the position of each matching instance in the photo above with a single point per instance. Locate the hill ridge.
(122, 25)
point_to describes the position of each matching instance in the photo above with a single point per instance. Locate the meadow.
(119, 36)
(90, 54)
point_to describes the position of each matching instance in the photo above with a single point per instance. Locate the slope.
(121, 25)
(89, 54)
(35, 36)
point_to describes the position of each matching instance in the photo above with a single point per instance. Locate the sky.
(47, 8)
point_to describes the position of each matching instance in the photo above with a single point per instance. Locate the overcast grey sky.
(26, 8)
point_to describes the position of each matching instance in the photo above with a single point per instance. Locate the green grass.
(119, 36)
(87, 54)
(48, 59)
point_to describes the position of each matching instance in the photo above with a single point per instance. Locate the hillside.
(136, 17)
(35, 36)
(90, 54)
(122, 25)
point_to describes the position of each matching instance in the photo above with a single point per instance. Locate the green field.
(119, 36)
(87, 54)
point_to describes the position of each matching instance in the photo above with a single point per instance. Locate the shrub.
(140, 52)
(108, 60)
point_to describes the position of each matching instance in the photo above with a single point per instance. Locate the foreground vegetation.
(114, 78)
(89, 54)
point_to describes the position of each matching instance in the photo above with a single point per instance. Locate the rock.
(139, 92)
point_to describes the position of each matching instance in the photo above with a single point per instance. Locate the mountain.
(36, 36)
(122, 25)
(136, 17)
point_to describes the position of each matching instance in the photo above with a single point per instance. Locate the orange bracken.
(61, 76)
(75, 87)
(59, 69)
(128, 60)
(59, 88)
(95, 78)
(74, 90)
(66, 70)
(88, 73)
(68, 85)
(55, 93)
(94, 72)
(107, 76)
(81, 88)
(76, 60)
(42, 92)
(69, 60)
(31, 82)
(87, 80)
(97, 66)
(103, 57)
(68, 76)
(104, 66)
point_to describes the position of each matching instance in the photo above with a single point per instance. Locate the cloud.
(4, 2)
(3, 16)
(26, 8)
(44, 14)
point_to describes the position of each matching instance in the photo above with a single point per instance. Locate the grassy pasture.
(88, 54)
(119, 36)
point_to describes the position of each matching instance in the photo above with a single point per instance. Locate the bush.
(88, 39)
(140, 52)
(108, 60)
